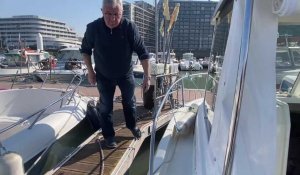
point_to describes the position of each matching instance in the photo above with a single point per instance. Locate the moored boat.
(68, 63)
(249, 130)
(21, 61)
(33, 119)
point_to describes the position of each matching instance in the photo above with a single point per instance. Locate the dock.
(95, 158)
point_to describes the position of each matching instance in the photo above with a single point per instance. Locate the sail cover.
(256, 133)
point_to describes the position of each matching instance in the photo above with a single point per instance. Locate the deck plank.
(88, 160)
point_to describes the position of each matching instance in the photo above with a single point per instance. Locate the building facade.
(143, 15)
(22, 31)
(193, 31)
(221, 36)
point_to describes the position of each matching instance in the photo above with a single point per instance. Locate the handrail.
(71, 92)
(16, 75)
(44, 80)
(40, 112)
(153, 132)
(12, 85)
(52, 142)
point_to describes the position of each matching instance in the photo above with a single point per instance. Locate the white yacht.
(156, 67)
(188, 62)
(68, 64)
(249, 130)
(172, 57)
(21, 61)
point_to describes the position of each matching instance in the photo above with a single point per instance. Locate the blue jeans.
(106, 88)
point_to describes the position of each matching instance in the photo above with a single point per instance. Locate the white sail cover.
(286, 7)
(256, 134)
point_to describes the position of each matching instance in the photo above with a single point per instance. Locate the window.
(282, 58)
(296, 56)
(285, 85)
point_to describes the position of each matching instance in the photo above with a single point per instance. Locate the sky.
(75, 13)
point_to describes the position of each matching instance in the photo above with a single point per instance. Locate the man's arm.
(146, 66)
(140, 49)
(91, 73)
(147, 76)
(86, 50)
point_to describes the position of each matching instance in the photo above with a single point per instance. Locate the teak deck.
(90, 160)
(95, 158)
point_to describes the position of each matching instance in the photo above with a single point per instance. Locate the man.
(113, 39)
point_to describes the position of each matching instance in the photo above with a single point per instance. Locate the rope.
(101, 157)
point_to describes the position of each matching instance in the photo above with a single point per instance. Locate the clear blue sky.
(75, 13)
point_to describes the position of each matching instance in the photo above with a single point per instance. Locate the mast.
(156, 27)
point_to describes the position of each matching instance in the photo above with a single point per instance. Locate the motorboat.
(20, 62)
(204, 62)
(156, 68)
(23, 60)
(188, 62)
(249, 129)
(161, 57)
(68, 63)
(138, 70)
(33, 119)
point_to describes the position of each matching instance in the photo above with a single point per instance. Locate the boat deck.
(93, 157)
(96, 158)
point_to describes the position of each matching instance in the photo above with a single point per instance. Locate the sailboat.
(249, 130)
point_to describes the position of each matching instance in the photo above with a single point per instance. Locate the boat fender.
(148, 98)
(193, 108)
(11, 163)
(93, 115)
(184, 126)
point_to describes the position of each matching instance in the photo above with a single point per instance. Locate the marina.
(91, 156)
(223, 97)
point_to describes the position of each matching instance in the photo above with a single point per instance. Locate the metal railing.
(69, 94)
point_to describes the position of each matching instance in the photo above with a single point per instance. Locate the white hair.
(112, 3)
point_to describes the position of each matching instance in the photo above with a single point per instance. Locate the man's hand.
(91, 73)
(146, 66)
(146, 83)
(92, 77)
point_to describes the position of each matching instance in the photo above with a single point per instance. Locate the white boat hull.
(185, 66)
(56, 121)
(14, 71)
(62, 75)
(177, 143)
